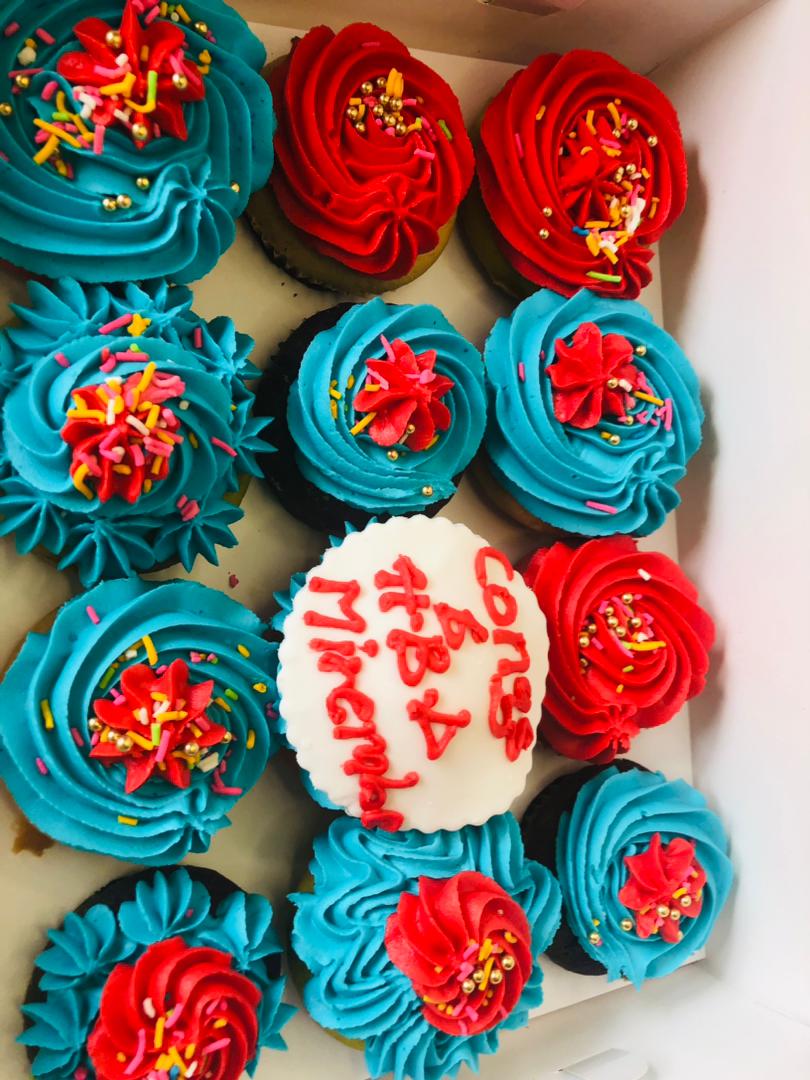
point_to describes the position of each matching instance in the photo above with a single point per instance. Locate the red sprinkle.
(43, 35)
(223, 446)
(233, 581)
(43, 768)
(522, 371)
(198, 338)
(77, 738)
(12, 28)
(60, 358)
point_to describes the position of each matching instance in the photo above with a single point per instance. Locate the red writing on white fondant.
(410, 580)
(426, 715)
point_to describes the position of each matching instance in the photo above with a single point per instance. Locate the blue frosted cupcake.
(643, 866)
(131, 136)
(172, 973)
(377, 410)
(134, 724)
(125, 430)
(594, 414)
(422, 949)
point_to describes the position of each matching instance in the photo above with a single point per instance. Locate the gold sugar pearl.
(547, 211)
(612, 621)
(626, 925)
(143, 182)
(235, 187)
(367, 88)
(610, 610)
(352, 112)
(614, 440)
(23, 81)
(140, 132)
(201, 27)
(124, 743)
(110, 205)
(636, 623)
(641, 350)
(393, 455)
(627, 598)
(621, 632)
(653, 140)
(410, 429)
(595, 937)
(612, 384)
(663, 911)
(686, 901)
(626, 211)
(113, 39)
(508, 963)
(385, 100)
(124, 202)
(478, 976)
(378, 111)
(427, 491)
(544, 234)
(675, 915)
(584, 641)
(94, 724)
(496, 978)
(591, 627)
(468, 986)
(381, 82)
(389, 120)
(6, 109)
(632, 123)
(401, 128)
(192, 749)
(395, 104)
(360, 127)
(180, 81)
(228, 736)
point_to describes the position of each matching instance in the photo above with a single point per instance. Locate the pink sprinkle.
(464, 970)
(519, 144)
(136, 454)
(233, 581)
(175, 1016)
(119, 699)
(92, 614)
(220, 789)
(522, 371)
(77, 736)
(164, 745)
(370, 45)
(43, 35)
(604, 507)
(612, 143)
(212, 657)
(25, 71)
(212, 1007)
(12, 28)
(198, 338)
(94, 740)
(390, 131)
(161, 669)
(429, 155)
(43, 768)
(542, 354)
(271, 712)
(470, 951)
(150, 17)
(131, 355)
(182, 501)
(595, 641)
(220, 1044)
(471, 1013)
(139, 1054)
(60, 358)
(190, 913)
(190, 510)
(116, 324)
(223, 446)
(98, 139)
(81, 1073)
(602, 607)
(389, 352)
(409, 101)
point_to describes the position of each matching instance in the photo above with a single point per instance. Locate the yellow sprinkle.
(595, 922)
(644, 646)
(485, 950)
(432, 442)
(152, 418)
(333, 409)
(146, 378)
(157, 696)
(260, 687)
(441, 1006)
(350, 382)
(620, 688)
(614, 113)
(203, 70)
(47, 150)
(243, 650)
(647, 397)
(592, 240)
(174, 1057)
(147, 485)
(57, 132)
(47, 715)
(623, 240)
(205, 57)
(124, 470)
(220, 1023)
(609, 254)
(140, 740)
(336, 394)
(510, 937)
(596, 224)
(120, 1057)
(159, 1026)
(586, 150)
(184, 15)
(123, 87)
(540, 112)
(196, 730)
(180, 714)
(487, 970)
(589, 121)
(86, 414)
(124, 820)
(223, 704)
(156, 464)
(80, 124)
(151, 652)
(144, 53)
(192, 438)
(679, 893)
(250, 742)
(362, 424)
(629, 667)
(78, 481)
(645, 173)
(191, 1050)
(61, 102)
(355, 101)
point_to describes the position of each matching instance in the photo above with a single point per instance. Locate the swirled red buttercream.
(582, 168)
(176, 1006)
(465, 944)
(664, 885)
(371, 195)
(628, 643)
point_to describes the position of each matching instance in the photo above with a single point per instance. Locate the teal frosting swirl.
(554, 469)
(353, 468)
(75, 966)
(183, 223)
(615, 815)
(38, 501)
(359, 875)
(78, 800)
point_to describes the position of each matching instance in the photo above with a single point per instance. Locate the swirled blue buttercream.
(178, 226)
(38, 500)
(359, 875)
(354, 468)
(75, 966)
(77, 800)
(554, 469)
(615, 815)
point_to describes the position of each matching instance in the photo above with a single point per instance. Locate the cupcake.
(629, 644)
(393, 699)
(130, 138)
(643, 866)
(378, 409)
(422, 949)
(594, 414)
(173, 973)
(372, 161)
(125, 428)
(581, 168)
(135, 723)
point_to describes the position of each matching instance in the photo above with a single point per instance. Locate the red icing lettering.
(370, 648)
(416, 654)
(516, 733)
(348, 592)
(409, 579)
(495, 595)
(425, 714)
(518, 642)
(346, 648)
(456, 623)
(361, 705)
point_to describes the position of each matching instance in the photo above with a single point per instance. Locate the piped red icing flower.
(123, 434)
(465, 944)
(136, 76)
(176, 1009)
(402, 395)
(156, 725)
(372, 156)
(664, 885)
(582, 168)
(591, 376)
(628, 643)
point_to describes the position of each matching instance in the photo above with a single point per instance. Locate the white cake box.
(727, 285)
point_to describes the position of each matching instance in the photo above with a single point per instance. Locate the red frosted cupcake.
(628, 644)
(372, 161)
(581, 168)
